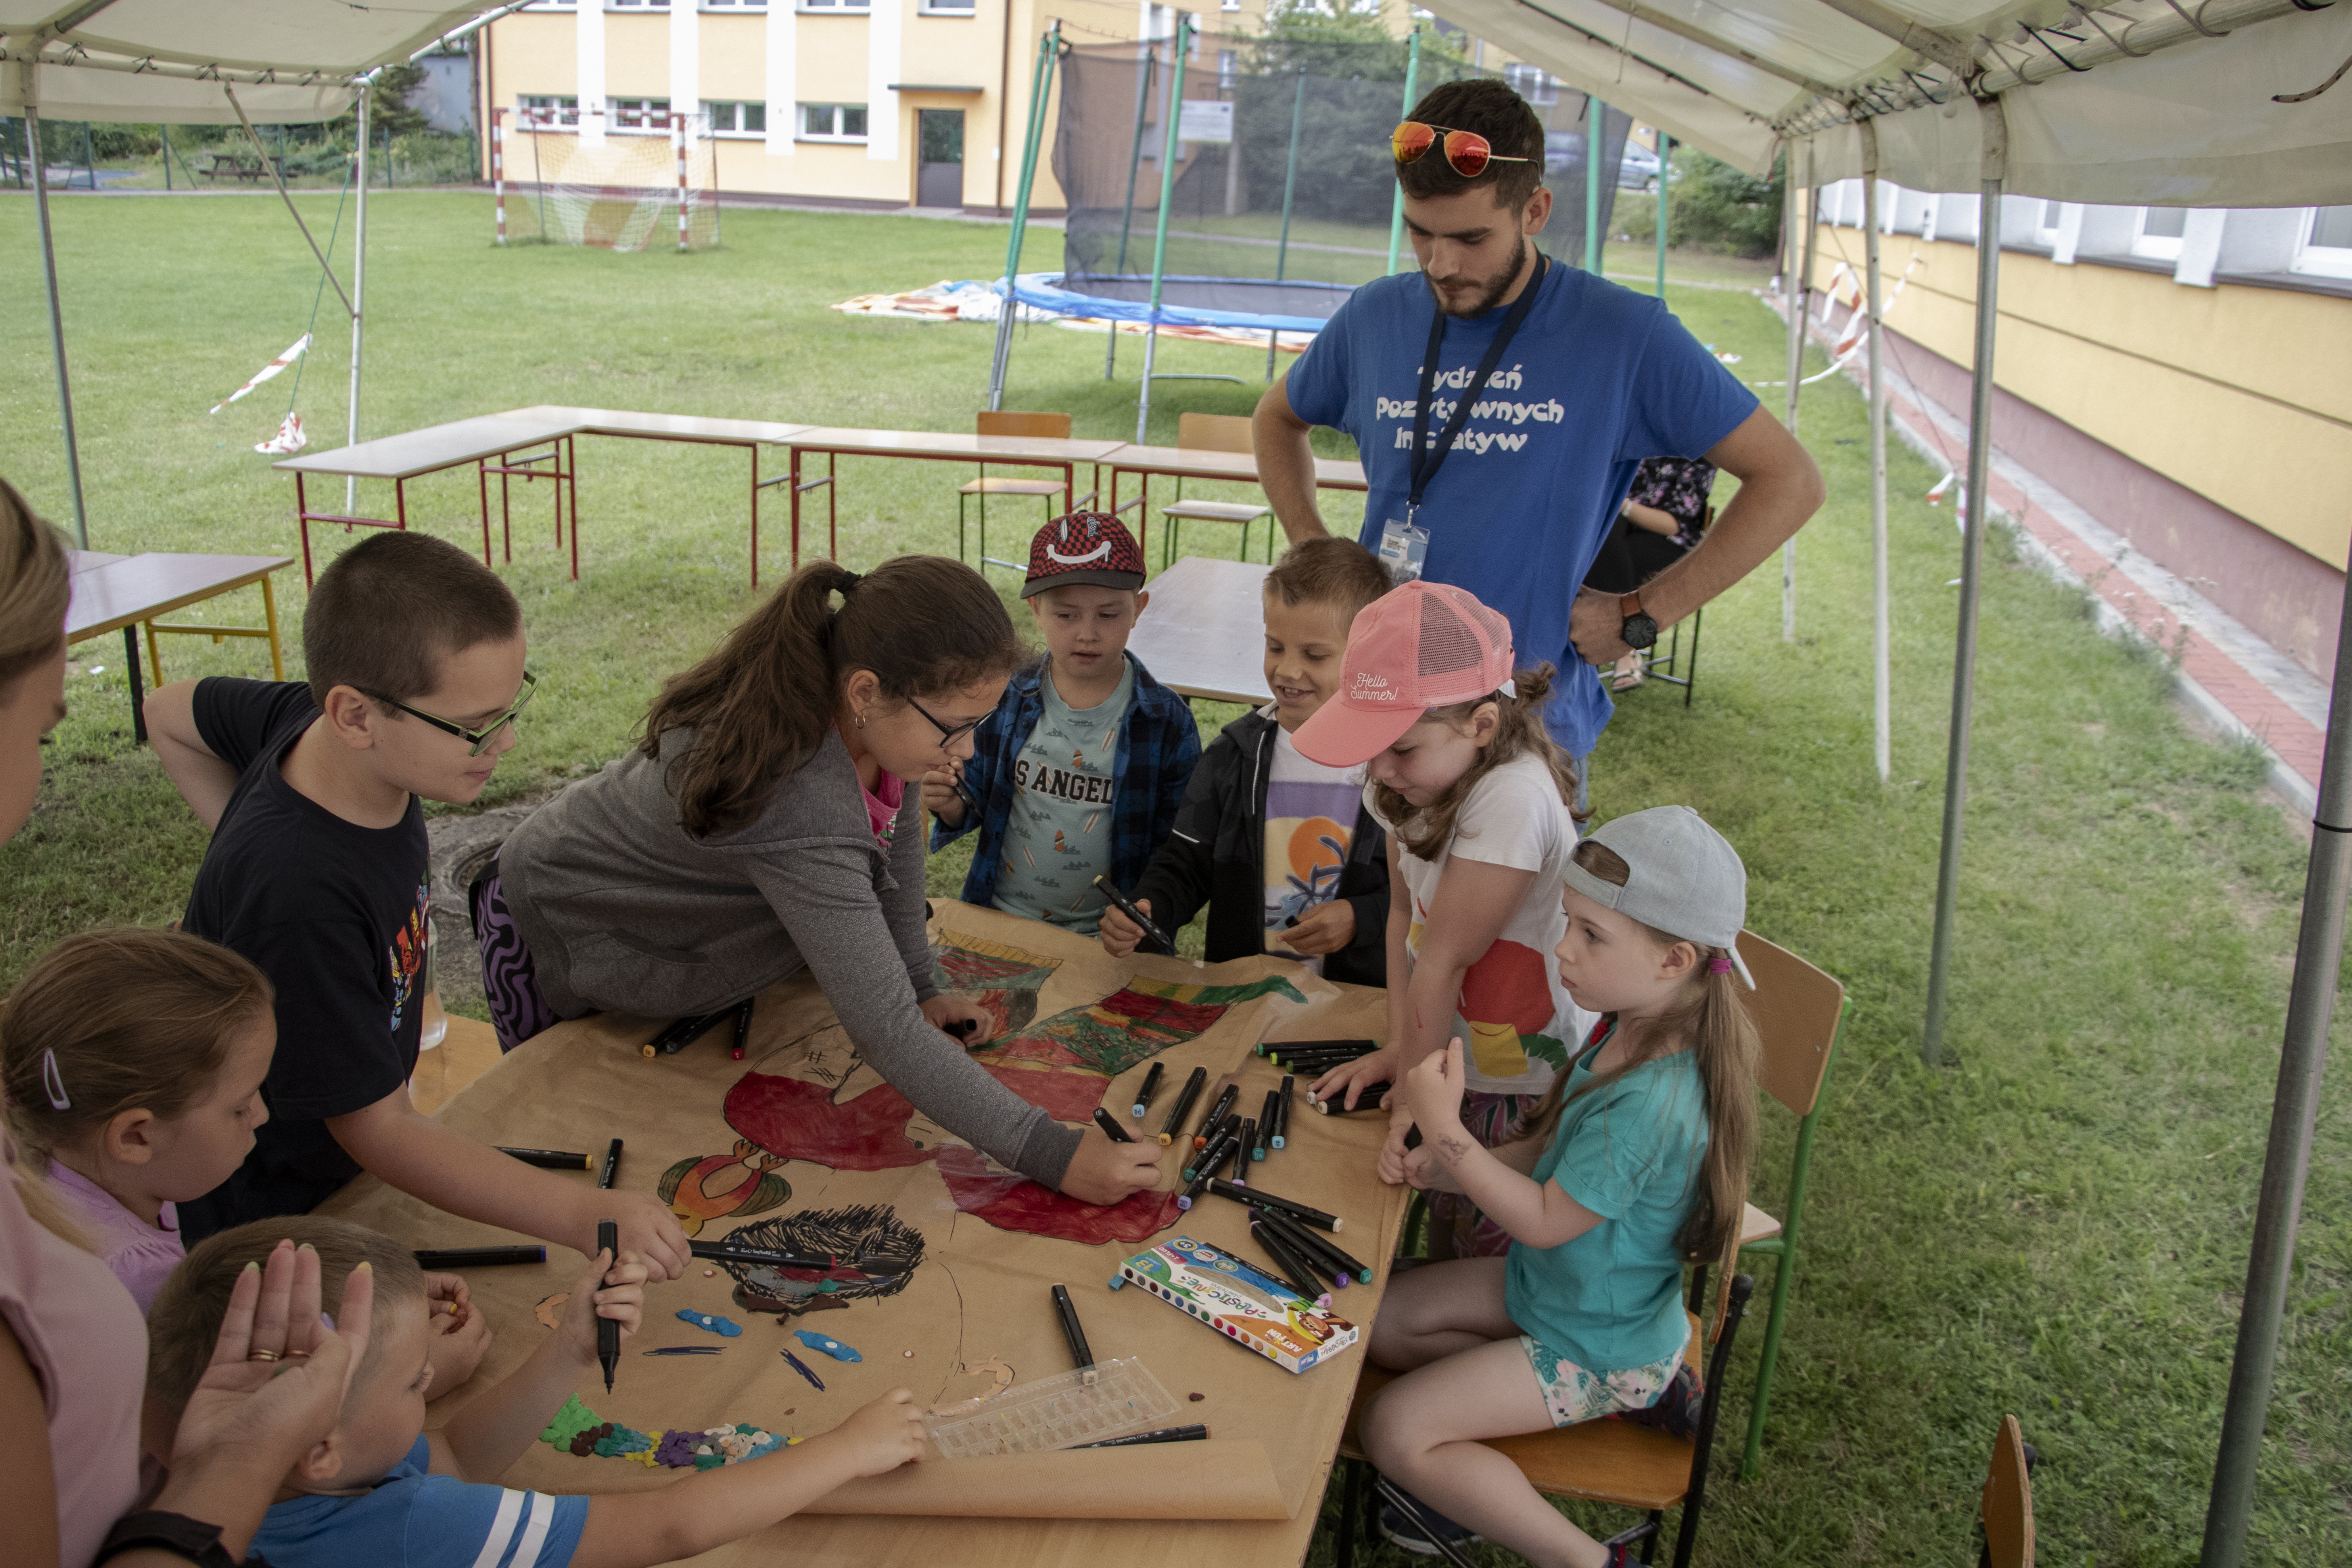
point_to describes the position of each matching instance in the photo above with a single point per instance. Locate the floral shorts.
(1574, 1394)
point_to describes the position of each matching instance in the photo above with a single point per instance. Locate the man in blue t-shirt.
(1512, 497)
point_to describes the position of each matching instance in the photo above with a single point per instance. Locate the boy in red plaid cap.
(1079, 771)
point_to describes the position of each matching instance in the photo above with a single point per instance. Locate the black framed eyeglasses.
(947, 737)
(479, 740)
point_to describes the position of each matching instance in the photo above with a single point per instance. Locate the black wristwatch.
(1638, 630)
(174, 1533)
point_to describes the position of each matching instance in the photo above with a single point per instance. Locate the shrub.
(1714, 207)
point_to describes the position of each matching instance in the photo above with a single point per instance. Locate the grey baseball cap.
(1683, 876)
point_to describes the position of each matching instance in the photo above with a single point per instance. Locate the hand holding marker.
(608, 1332)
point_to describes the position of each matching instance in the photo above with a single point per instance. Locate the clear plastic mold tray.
(1059, 1412)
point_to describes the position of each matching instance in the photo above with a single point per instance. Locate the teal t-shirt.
(1057, 838)
(1612, 1299)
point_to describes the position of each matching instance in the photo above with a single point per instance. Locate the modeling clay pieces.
(576, 1430)
(549, 1311)
(726, 1327)
(826, 1343)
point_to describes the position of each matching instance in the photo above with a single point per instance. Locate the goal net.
(649, 183)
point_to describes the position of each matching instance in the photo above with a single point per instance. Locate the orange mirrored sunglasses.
(1467, 152)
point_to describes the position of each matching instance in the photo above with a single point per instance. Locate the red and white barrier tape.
(296, 352)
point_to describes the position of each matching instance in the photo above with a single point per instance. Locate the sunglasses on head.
(1467, 152)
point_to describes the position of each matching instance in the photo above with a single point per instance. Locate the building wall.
(2210, 425)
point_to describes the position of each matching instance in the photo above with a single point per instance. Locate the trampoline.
(1264, 200)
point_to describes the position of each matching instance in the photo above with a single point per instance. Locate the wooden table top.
(415, 452)
(664, 427)
(1203, 634)
(128, 590)
(1193, 463)
(951, 444)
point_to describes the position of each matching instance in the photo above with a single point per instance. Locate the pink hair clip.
(1718, 966)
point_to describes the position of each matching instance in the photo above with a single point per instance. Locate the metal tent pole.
(1289, 188)
(1143, 83)
(1041, 83)
(1665, 143)
(1167, 197)
(1596, 141)
(1792, 294)
(359, 292)
(2318, 952)
(1412, 96)
(166, 130)
(1964, 653)
(57, 325)
(1881, 697)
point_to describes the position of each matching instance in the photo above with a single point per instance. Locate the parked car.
(1564, 158)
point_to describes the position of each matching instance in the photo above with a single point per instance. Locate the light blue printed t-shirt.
(411, 1519)
(1612, 1299)
(1597, 379)
(1057, 839)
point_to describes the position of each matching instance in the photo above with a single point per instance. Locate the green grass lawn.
(2053, 1224)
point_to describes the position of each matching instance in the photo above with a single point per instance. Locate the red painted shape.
(799, 1120)
(1010, 1201)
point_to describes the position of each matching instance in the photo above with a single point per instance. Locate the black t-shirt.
(334, 914)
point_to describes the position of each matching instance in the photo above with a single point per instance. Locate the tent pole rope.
(318, 296)
(278, 174)
(1596, 148)
(1175, 107)
(1412, 96)
(1144, 79)
(1964, 655)
(359, 291)
(39, 172)
(1041, 83)
(1290, 187)
(1793, 296)
(1882, 714)
(1665, 144)
(2318, 952)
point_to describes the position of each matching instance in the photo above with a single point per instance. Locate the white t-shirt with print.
(1514, 1017)
(1310, 826)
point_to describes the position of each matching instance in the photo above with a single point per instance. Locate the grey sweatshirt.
(623, 909)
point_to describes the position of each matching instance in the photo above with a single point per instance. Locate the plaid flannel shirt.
(1158, 746)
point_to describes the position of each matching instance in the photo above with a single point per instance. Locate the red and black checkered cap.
(1085, 547)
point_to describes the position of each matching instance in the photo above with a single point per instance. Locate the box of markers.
(1239, 1302)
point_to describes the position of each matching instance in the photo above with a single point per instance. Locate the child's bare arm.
(499, 1426)
(1538, 1213)
(205, 781)
(428, 1159)
(629, 1530)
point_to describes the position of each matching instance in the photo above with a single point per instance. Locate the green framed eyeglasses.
(478, 740)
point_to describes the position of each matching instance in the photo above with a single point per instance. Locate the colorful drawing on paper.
(576, 1430)
(875, 1254)
(701, 1188)
(824, 1104)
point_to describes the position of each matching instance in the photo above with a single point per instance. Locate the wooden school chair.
(1032, 427)
(1797, 1008)
(2008, 1507)
(1603, 1461)
(1670, 664)
(1214, 433)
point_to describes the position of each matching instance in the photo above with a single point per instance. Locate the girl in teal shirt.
(1635, 1161)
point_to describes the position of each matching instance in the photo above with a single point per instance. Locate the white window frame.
(723, 6)
(649, 121)
(711, 106)
(800, 131)
(833, 8)
(2048, 222)
(547, 110)
(2319, 260)
(636, 5)
(963, 12)
(2157, 247)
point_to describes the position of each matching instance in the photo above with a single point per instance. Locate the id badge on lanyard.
(1405, 541)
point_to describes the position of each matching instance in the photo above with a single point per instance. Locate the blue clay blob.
(726, 1327)
(826, 1343)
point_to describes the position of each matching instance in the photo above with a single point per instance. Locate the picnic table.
(126, 592)
(247, 167)
(1203, 634)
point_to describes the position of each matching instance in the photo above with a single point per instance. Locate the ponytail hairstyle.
(1519, 731)
(1713, 1016)
(35, 585)
(759, 703)
(112, 1020)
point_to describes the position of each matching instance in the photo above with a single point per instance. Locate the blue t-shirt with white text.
(1597, 379)
(412, 1519)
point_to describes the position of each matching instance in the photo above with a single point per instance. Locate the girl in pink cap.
(1476, 800)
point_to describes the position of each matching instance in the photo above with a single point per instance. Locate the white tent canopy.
(2195, 123)
(164, 61)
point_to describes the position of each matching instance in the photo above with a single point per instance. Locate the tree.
(388, 108)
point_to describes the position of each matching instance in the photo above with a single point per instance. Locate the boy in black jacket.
(1281, 849)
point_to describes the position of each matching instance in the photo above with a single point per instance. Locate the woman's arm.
(1652, 519)
(33, 1521)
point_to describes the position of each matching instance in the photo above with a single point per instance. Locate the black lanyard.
(1426, 461)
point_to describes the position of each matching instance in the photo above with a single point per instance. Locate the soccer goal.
(650, 181)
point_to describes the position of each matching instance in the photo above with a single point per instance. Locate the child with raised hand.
(317, 874)
(1476, 800)
(1079, 771)
(1635, 1162)
(380, 1490)
(1281, 849)
(131, 1062)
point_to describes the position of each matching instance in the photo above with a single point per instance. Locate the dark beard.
(1491, 291)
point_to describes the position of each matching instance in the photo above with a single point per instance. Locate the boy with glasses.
(1079, 772)
(317, 873)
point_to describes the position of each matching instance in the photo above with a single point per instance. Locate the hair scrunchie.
(1718, 966)
(850, 579)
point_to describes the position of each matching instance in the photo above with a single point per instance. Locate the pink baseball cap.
(1424, 645)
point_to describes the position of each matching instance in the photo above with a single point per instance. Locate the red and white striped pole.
(677, 125)
(499, 167)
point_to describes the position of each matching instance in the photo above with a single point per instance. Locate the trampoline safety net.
(1274, 226)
